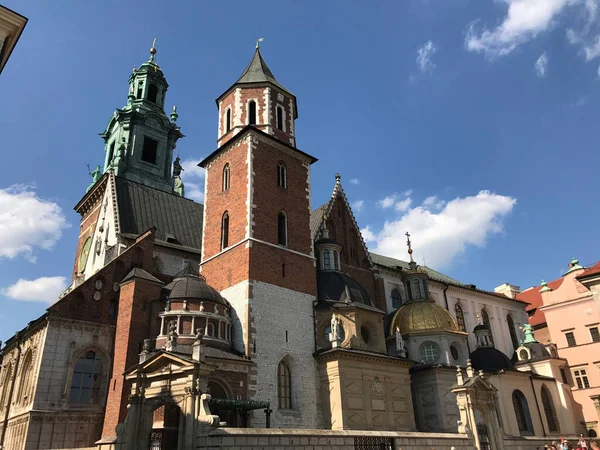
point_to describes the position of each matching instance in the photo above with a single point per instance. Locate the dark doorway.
(165, 428)
(233, 417)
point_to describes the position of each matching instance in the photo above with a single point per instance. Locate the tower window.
(281, 175)
(485, 318)
(226, 175)
(111, 153)
(279, 118)
(417, 287)
(113, 307)
(140, 90)
(152, 93)
(336, 260)
(149, 150)
(252, 112)
(396, 299)
(225, 231)
(228, 120)
(326, 260)
(282, 228)
(284, 386)
(512, 332)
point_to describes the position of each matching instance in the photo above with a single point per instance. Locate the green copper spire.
(174, 114)
(545, 287)
(574, 266)
(529, 335)
(96, 174)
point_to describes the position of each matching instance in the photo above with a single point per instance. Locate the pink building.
(566, 311)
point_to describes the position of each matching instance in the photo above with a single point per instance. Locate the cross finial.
(258, 41)
(409, 244)
(153, 50)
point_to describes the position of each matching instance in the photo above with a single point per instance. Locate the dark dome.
(489, 359)
(331, 285)
(481, 327)
(323, 241)
(193, 288)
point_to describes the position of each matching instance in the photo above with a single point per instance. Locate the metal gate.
(484, 441)
(373, 443)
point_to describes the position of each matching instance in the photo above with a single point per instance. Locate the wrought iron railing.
(373, 443)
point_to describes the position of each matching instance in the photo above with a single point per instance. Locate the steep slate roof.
(534, 298)
(141, 208)
(258, 72)
(138, 272)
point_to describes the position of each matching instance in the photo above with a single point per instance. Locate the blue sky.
(471, 124)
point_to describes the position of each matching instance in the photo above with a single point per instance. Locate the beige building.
(12, 25)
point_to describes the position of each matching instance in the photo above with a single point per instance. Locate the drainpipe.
(538, 406)
(11, 391)
(314, 317)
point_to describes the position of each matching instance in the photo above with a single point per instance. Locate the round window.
(454, 352)
(364, 333)
(430, 352)
(340, 331)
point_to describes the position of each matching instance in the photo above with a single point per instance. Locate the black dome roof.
(193, 288)
(489, 359)
(481, 327)
(331, 285)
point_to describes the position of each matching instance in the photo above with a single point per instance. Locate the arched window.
(226, 177)
(396, 298)
(279, 118)
(336, 260)
(460, 317)
(6, 379)
(152, 93)
(417, 288)
(352, 244)
(512, 331)
(485, 318)
(23, 394)
(326, 259)
(522, 412)
(210, 330)
(252, 112)
(281, 175)
(228, 120)
(225, 231)
(549, 410)
(284, 385)
(282, 228)
(86, 381)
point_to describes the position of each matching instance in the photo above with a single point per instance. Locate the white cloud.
(28, 222)
(424, 55)
(590, 46)
(441, 236)
(368, 235)
(358, 205)
(433, 202)
(354, 181)
(524, 20)
(403, 205)
(541, 65)
(388, 201)
(44, 289)
(193, 179)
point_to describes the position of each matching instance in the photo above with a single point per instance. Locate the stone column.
(162, 326)
(189, 418)
(596, 400)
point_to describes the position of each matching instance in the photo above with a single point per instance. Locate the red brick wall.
(86, 229)
(227, 269)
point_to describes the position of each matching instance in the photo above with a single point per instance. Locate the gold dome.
(422, 317)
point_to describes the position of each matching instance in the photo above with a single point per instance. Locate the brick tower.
(256, 241)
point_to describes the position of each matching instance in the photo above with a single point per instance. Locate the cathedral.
(257, 311)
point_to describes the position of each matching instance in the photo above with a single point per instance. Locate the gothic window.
(86, 381)
(485, 318)
(252, 112)
(281, 175)
(512, 331)
(336, 260)
(279, 118)
(284, 385)
(522, 413)
(460, 318)
(23, 394)
(149, 150)
(228, 120)
(396, 298)
(326, 260)
(226, 177)
(152, 93)
(6, 379)
(282, 229)
(225, 231)
(549, 410)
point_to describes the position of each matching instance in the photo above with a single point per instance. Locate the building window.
(581, 379)
(454, 352)
(460, 317)
(282, 228)
(85, 384)
(595, 334)
(571, 342)
(228, 120)
(113, 307)
(430, 352)
(149, 150)
(281, 175)
(140, 90)
(111, 153)
(252, 112)
(485, 318)
(364, 334)
(563, 375)
(25, 383)
(512, 332)
(417, 287)
(396, 298)
(326, 260)
(336, 260)
(352, 242)
(152, 93)
(226, 177)
(225, 231)
(279, 118)
(7, 381)
(549, 410)
(522, 413)
(284, 385)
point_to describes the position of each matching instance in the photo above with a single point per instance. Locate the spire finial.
(174, 114)
(338, 178)
(409, 244)
(258, 41)
(153, 50)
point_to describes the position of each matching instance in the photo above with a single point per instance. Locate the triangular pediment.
(477, 383)
(162, 362)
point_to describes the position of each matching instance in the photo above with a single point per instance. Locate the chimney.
(509, 290)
